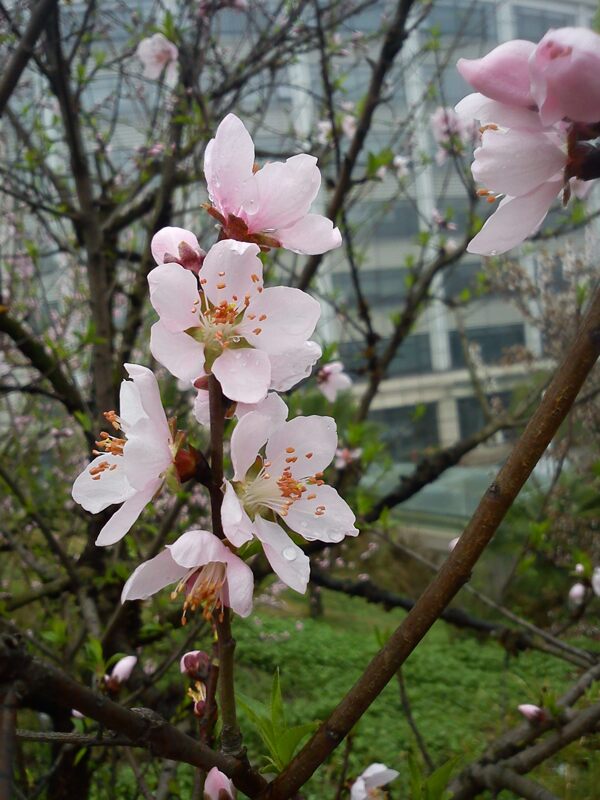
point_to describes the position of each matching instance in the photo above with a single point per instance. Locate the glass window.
(413, 357)
(407, 429)
(470, 415)
(493, 341)
(464, 275)
(399, 221)
(532, 23)
(464, 20)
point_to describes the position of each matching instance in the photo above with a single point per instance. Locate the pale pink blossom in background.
(207, 573)
(401, 165)
(179, 246)
(134, 464)
(373, 777)
(157, 53)
(324, 129)
(271, 205)
(579, 569)
(331, 379)
(217, 786)
(452, 543)
(344, 456)
(576, 595)
(348, 125)
(451, 132)
(533, 713)
(596, 581)
(288, 484)
(564, 75)
(232, 323)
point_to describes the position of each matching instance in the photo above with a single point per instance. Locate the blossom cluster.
(539, 108)
(217, 318)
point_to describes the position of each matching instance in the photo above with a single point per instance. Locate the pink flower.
(401, 165)
(232, 327)
(525, 163)
(349, 125)
(206, 571)
(533, 713)
(156, 54)
(269, 206)
(373, 777)
(502, 74)
(217, 786)
(132, 467)
(179, 246)
(344, 456)
(450, 131)
(564, 75)
(576, 595)
(288, 484)
(332, 379)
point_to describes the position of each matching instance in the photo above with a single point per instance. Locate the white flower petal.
(291, 367)
(174, 296)
(280, 319)
(244, 374)
(121, 521)
(152, 576)
(311, 235)
(182, 355)
(231, 272)
(237, 525)
(112, 486)
(311, 441)
(288, 560)
(334, 522)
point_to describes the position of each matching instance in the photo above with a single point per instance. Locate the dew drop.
(290, 554)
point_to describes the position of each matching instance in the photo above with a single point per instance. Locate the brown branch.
(8, 724)
(498, 777)
(411, 722)
(552, 410)
(20, 58)
(142, 727)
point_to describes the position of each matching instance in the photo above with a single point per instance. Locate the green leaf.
(277, 712)
(288, 742)
(435, 784)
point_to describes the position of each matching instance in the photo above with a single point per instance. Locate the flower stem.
(231, 737)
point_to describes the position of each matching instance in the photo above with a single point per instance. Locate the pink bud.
(502, 74)
(576, 594)
(533, 713)
(564, 75)
(195, 664)
(218, 786)
(122, 670)
(579, 569)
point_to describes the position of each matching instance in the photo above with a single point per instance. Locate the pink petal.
(272, 406)
(174, 295)
(311, 235)
(232, 270)
(152, 576)
(281, 193)
(477, 106)
(288, 560)
(250, 434)
(112, 486)
(280, 319)
(146, 455)
(564, 75)
(182, 355)
(315, 437)
(122, 520)
(240, 585)
(237, 525)
(334, 523)
(502, 74)
(514, 220)
(378, 775)
(217, 786)
(243, 374)
(516, 162)
(146, 384)
(225, 175)
(291, 367)
(202, 407)
(166, 242)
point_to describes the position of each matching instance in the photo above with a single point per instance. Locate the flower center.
(203, 589)
(279, 493)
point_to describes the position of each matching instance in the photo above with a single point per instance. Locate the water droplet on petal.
(237, 356)
(290, 554)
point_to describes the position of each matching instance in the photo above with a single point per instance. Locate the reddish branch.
(46, 683)
(552, 410)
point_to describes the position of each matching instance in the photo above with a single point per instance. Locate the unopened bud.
(195, 664)
(121, 673)
(199, 708)
(218, 786)
(576, 595)
(186, 463)
(533, 713)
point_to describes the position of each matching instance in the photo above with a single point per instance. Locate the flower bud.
(121, 672)
(218, 786)
(533, 713)
(195, 664)
(576, 595)
(502, 74)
